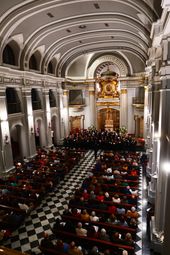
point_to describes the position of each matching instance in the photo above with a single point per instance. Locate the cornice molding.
(20, 78)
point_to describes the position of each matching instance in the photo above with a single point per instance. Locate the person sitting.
(103, 235)
(80, 231)
(112, 219)
(121, 210)
(112, 209)
(132, 223)
(124, 252)
(109, 170)
(92, 195)
(116, 237)
(46, 242)
(92, 231)
(85, 216)
(107, 197)
(100, 197)
(107, 252)
(69, 226)
(94, 251)
(132, 213)
(132, 199)
(74, 250)
(75, 212)
(128, 239)
(116, 199)
(122, 221)
(61, 246)
(93, 216)
(85, 195)
(23, 207)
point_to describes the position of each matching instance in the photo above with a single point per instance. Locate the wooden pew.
(88, 242)
(6, 251)
(51, 251)
(106, 225)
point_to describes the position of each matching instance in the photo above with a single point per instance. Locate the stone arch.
(18, 141)
(39, 128)
(55, 128)
(120, 66)
(11, 53)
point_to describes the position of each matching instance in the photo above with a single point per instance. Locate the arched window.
(33, 63)
(13, 101)
(36, 101)
(52, 98)
(50, 67)
(8, 55)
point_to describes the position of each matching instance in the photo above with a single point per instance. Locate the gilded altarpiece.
(107, 100)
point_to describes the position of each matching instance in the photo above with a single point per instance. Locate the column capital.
(91, 93)
(65, 92)
(123, 91)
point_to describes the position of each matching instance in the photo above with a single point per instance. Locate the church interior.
(84, 127)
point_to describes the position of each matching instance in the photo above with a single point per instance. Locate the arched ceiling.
(68, 29)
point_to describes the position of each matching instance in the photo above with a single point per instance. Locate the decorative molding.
(107, 103)
(123, 91)
(118, 64)
(91, 93)
(65, 93)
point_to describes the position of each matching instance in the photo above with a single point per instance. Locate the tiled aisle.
(28, 236)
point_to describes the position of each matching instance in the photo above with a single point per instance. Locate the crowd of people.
(23, 189)
(107, 140)
(102, 216)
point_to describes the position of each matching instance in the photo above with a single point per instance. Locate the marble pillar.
(47, 112)
(29, 122)
(162, 203)
(6, 157)
(92, 108)
(65, 114)
(123, 108)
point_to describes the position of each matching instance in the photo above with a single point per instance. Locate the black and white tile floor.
(27, 238)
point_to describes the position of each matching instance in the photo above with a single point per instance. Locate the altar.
(108, 102)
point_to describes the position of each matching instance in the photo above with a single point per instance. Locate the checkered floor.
(27, 238)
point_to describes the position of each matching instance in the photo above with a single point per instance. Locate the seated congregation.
(102, 216)
(23, 189)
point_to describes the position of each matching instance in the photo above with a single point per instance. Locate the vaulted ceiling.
(66, 30)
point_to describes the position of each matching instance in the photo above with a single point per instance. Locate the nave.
(27, 238)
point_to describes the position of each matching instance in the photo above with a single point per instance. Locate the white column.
(162, 201)
(6, 157)
(47, 118)
(65, 114)
(146, 113)
(130, 115)
(58, 124)
(92, 108)
(123, 108)
(29, 121)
